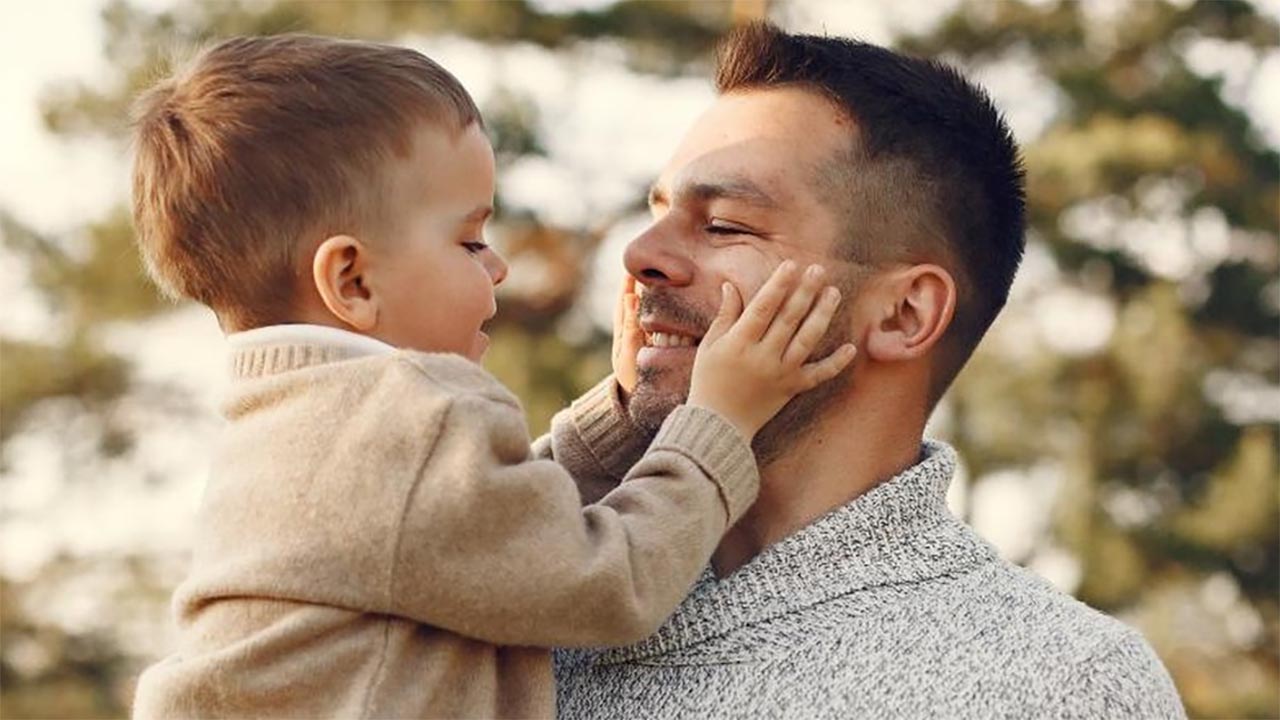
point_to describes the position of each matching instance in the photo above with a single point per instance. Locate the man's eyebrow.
(731, 188)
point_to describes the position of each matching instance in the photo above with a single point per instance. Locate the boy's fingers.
(628, 338)
(820, 371)
(631, 315)
(730, 309)
(794, 311)
(620, 310)
(764, 306)
(812, 329)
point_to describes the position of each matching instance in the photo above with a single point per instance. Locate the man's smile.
(663, 335)
(668, 340)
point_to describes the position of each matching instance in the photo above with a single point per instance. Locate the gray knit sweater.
(888, 607)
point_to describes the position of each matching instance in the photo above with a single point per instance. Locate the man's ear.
(339, 269)
(912, 308)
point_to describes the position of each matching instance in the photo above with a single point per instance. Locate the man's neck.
(848, 451)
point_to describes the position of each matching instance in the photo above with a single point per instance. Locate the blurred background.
(1118, 427)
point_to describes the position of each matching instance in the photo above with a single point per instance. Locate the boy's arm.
(594, 440)
(492, 543)
(495, 545)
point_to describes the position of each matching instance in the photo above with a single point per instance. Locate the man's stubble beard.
(650, 404)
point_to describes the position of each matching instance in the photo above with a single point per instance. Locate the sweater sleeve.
(594, 440)
(494, 544)
(1126, 681)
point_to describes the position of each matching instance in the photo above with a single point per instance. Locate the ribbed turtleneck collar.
(280, 348)
(901, 531)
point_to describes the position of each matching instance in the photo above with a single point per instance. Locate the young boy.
(377, 538)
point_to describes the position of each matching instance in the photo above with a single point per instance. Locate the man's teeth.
(663, 340)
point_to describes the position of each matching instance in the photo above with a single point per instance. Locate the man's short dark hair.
(933, 173)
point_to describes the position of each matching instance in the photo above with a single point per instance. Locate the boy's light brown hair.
(264, 146)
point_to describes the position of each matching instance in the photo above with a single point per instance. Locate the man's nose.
(494, 265)
(657, 257)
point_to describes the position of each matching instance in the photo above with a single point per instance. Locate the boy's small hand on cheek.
(764, 348)
(628, 337)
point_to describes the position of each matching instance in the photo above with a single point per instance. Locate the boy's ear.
(911, 309)
(339, 269)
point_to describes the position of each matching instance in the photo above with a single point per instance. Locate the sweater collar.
(280, 348)
(901, 531)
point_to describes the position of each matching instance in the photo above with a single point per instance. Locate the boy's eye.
(474, 247)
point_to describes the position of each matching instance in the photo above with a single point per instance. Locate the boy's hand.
(751, 363)
(628, 338)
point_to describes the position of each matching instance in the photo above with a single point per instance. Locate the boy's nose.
(495, 266)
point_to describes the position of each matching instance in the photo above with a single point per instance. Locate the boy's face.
(435, 275)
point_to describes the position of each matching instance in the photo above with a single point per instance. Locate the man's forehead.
(783, 112)
(753, 172)
(774, 139)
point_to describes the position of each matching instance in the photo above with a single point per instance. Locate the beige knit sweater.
(378, 539)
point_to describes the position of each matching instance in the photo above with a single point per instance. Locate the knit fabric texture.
(888, 607)
(378, 539)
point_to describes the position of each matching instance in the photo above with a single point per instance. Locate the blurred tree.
(1168, 493)
(1148, 188)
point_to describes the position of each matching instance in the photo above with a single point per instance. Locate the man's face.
(744, 191)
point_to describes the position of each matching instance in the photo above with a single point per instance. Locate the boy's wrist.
(720, 449)
(744, 426)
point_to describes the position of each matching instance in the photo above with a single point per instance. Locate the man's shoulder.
(1028, 606)
(995, 640)
(996, 609)
(1002, 633)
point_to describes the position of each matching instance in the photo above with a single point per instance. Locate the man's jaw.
(672, 327)
(664, 366)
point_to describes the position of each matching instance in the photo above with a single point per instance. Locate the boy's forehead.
(446, 162)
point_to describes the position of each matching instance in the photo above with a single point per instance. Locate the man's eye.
(475, 247)
(719, 227)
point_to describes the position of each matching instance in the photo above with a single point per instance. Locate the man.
(849, 590)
